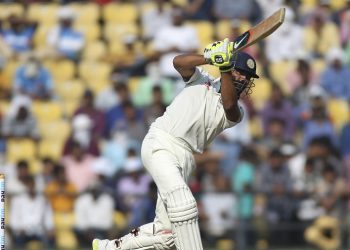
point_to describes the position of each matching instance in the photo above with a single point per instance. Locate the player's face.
(240, 75)
(241, 80)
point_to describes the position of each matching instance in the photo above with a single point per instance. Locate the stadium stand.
(115, 58)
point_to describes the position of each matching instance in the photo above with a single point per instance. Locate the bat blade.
(263, 29)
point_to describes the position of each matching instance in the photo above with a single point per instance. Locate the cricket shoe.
(137, 240)
(103, 244)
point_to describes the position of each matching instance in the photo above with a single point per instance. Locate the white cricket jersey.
(196, 115)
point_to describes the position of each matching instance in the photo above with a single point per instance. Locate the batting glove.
(219, 53)
(225, 68)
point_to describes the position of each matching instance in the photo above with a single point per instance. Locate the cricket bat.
(259, 31)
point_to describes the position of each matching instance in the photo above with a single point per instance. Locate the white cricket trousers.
(170, 162)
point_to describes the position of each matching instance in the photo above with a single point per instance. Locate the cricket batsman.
(203, 109)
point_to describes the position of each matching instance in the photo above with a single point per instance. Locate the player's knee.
(181, 205)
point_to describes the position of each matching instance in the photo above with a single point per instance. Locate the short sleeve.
(195, 77)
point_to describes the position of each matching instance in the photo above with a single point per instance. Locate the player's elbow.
(228, 104)
(178, 62)
(232, 112)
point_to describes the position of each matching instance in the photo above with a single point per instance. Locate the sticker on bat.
(241, 40)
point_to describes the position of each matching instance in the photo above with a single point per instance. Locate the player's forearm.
(229, 97)
(186, 64)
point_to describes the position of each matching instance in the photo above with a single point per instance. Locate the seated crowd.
(75, 106)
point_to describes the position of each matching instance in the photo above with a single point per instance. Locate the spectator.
(334, 79)
(344, 139)
(5, 50)
(330, 192)
(320, 35)
(268, 6)
(131, 60)
(196, 182)
(134, 126)
(243, 185)
(156, 108)
(276, 184)
(64, 39)
(342, 19)
(116, 113)
(173, 40)
(347, 174)
(19, 34)
(105, 171)
(304, 110)
(31, 217)
(96, 116)
(274, 136)
(230, 141)
(323, 152)
(115, 149)
(345, 27)
(279, 107)
(132, 187)
(82, 134)
(5, 78)
(78, 166)
(347, 51)
(319, 124)
(94, 212)
(301, 78)
(48, 166)
(144, 212)
(285, 42)
(338, 14)
(240, 133)
(143, 95)
(112, 96)
(211, 169)
(322, 8)
(16, 183)
(239, 9)
(199, 10)
(219, 219)
(154, 19)
(33, 79)
(60, 192)
(309, 208)
(295, 161)
(19, 122)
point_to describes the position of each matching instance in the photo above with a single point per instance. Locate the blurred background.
(81, 81)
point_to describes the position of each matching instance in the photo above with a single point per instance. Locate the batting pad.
(183, 215)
